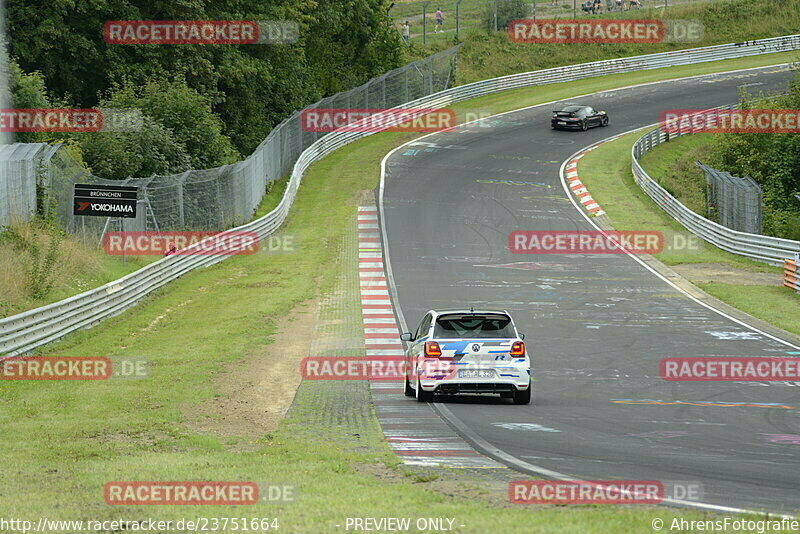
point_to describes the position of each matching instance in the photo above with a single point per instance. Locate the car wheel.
(422, 395)
(407, 387)
(584, 125)
(523, 397)
(604, 121)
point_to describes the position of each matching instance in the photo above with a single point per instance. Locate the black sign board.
(105, 200)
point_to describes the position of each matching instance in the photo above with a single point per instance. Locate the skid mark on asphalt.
(413, 430)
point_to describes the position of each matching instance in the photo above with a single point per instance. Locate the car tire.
(407, 387)
(523, 396)
(422, 395)
(604, 121)
(584, 125)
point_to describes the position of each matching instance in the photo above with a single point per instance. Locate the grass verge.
(40, 264)
(673, 165)
(64, 440)
(487, 55)
(606, 172)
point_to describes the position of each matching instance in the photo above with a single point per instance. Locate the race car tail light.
(518, 348)
(432, 349)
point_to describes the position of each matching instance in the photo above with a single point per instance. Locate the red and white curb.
(413, 430)
(381, 335)
(578, 189)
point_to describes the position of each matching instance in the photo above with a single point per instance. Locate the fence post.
(495, 16)
(430, 79)
(425, 23)
(181, 217)
(458, 19)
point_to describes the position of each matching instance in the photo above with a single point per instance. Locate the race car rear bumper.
(454, 388)
(568, 126)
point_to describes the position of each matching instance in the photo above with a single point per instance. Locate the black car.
(575, 116)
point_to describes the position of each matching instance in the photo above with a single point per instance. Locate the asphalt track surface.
(596, 325)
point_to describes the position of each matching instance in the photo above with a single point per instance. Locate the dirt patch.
(256, 392)
(704, 273)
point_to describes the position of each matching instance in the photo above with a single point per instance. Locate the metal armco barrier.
(772, 250)
(22, 333)
(791, 276)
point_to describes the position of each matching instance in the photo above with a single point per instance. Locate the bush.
(180, 132)
(507, 10)
(773, 160)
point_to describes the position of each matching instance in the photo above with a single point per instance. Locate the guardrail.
(791, 273)
(20, 334)
(763, 248)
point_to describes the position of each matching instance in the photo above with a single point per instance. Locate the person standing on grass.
(439, 20)
(406, 32)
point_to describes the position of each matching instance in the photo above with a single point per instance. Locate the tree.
(773, 160)
(179, 132)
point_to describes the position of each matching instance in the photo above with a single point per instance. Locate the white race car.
(460, 351)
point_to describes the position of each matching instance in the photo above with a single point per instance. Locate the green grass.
(62, 441)
(78, 267)
(606, 172)
(774, 304)
(485, 55)
(672, 164)
(472, 15)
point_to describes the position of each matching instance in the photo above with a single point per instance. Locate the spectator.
(439, 20)
(598, 6)
(635, 3)
(406, 32)
(620, 5)
(170, 250)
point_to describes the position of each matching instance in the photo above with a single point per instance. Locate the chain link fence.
(224, 197)
(732, 201)
(772, 250)
(22, 168)
(493, 15)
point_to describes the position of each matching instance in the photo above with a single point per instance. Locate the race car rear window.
(473, 326)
